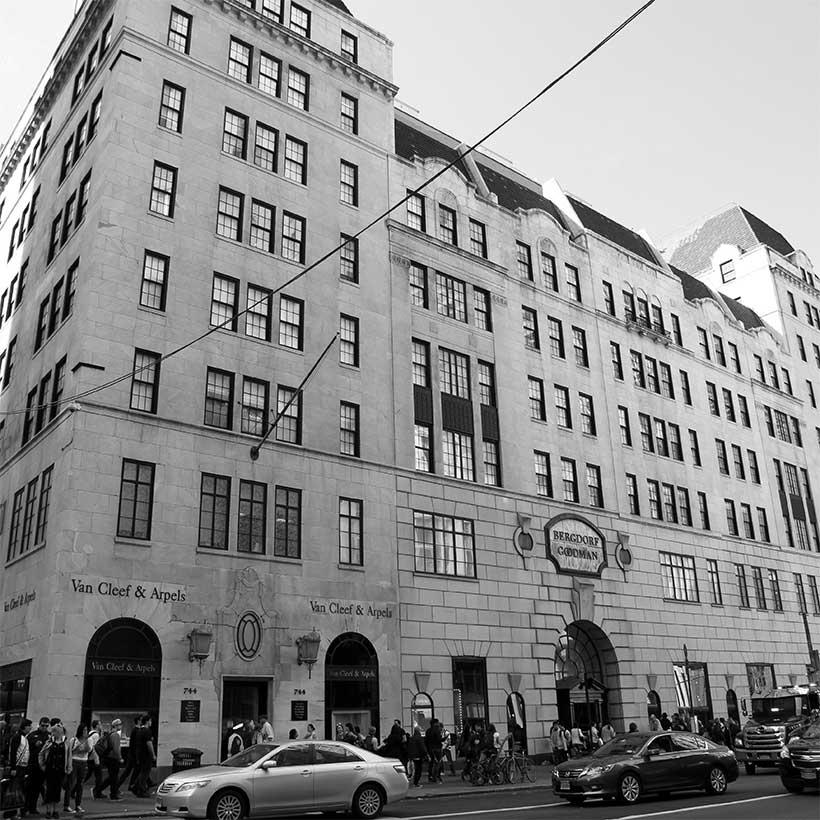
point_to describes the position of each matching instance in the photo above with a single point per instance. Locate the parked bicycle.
(487, 770)
(517, 768)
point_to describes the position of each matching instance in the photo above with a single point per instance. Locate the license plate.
(563, 786)
(808, 775)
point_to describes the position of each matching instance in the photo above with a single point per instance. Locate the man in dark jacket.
(433, 741)
(36, 776)
(144, 757)
(130, 770)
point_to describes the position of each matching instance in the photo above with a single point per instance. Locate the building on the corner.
(538, 461)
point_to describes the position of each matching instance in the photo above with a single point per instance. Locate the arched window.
(421, 712)
(351, 683)
(653, 704)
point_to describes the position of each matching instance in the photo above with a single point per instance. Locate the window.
(82, 199)
(774, 585)
(748, 524)
(454, 373)
(647, 439)
(653, 488)
(224, 302)
(423, 450)
(632, 494)
(136, 500)
(145, 381)
(714, 581)
(287, 528)
(684, 386)
(28, 515)
(350, 531)
(722, 457)
(573, 283)
(235, 134)
(703, 509)
(349, 340)
(734, 356)
(179, 31)
(596, 498)
(349, 258)
(675, 449)
(802, 605)
(760, 590)
(638, 377)
(617, 364)
(538, 407)
(79, 145)
(679, 578)
(272, 9)
(415, 212)
(57, 389)
(458, 455)
(623, 423)
(298, 88)
(482, 309)
(443, 545)
(14, 527)
(219, 399)
(684, 506)
(743, 588)
(763, 525)
(579, 343)
(214, 511)
(556, 334)
(478, 238)
(524, 257)
(712, 399)
(252, 525)
(731, 517)
(163, 190)
(421, 363)
(587, 411)
(652, 374)
(68, 216)
(68, 153)
(289, 413)
(667, 388)
(629, 305)
(258, 313)
(154, 279)
(670, 509)
(754, 470)
(349, 46)
(550, 272)
(815, 597)
(563, 411)
(727, 271)
(720, 355)
(569, 480)
(703, 343)
(266, 147)
(531, 338)
(451, 297)
(240, 60)
(295, 160)
(293, 237)
(349, 183)
(676, 334)
(543, 474)
(270, 72)
(261, 228)
(609, 298)
(290, 322)
(418, 285)
(728, 405)
(492, 470)
(79, 85)
(254, 413)
(743, 408)
(447, 225)
(172, 106)
(300, 20)
(737, 458)
(486, 384)
(349, 114)
(229, 212)
(42, 507)
(694, 448)
(348, 429)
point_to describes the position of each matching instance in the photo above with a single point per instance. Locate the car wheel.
(750, 768)
(716, 782)
(227, 805)
(629, 788)
(368, 801)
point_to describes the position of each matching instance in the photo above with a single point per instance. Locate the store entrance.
(123, 668)
(243, 700)
(351, 684)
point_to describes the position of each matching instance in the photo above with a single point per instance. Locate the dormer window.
(300, 20)
(350, 47)
(727, 270)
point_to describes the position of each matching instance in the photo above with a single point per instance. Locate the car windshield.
(249, 756)
(774, 710)
(622, 745)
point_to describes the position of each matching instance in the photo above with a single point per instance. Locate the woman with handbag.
(56, 764)
(78, 750)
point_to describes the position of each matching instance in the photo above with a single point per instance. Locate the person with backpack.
(235, 742)
(416, 752)
(55, 762)
(109, 751)
(433, 741)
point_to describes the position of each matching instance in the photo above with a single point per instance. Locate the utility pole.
(688, 687)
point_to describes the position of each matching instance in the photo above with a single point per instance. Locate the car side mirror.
(269, 764)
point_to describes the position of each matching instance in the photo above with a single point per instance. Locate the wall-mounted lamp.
(307, 649)
(199, 645)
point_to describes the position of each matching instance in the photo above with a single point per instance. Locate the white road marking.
(700, 808)
(483, 811)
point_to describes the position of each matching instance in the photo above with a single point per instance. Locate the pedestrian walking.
(576, 741)
(446, 749)
(607, 732)
(310, 734)
(433, 743)
(55, 764)
(417, 752)
(371, 741)
(145, 758)
(559, 744)
(654, 724)
(19, 756)
(94, 769)
(666, 724)
(78, 749)
(395, 745)
(130, 771)
(109, 750)
(36, 777)
(265, 730)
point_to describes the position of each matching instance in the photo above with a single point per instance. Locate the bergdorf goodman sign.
(575, 546)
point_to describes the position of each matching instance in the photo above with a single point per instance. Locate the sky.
(697, 104)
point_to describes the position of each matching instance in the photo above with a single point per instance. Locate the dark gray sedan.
(638, 763)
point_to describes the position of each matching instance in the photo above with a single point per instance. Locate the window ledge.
(679, 601)
(169, 131)
(249, 556)
(36, 548)
(461, 578)
(163, 217)
(351, 567)
(132, 542)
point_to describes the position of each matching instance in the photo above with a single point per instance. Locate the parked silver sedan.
(302, 775)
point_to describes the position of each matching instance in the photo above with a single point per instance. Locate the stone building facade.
(537, 461)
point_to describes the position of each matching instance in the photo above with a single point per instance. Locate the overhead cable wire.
(410, 193)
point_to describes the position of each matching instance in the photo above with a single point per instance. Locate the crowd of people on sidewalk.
(49, 764)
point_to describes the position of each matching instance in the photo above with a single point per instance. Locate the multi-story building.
(537, 461)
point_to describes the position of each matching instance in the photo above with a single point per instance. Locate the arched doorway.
(586, 676)
(123, 667)
(731, 705)
(351, 683)
(517, 719)
(653, 704)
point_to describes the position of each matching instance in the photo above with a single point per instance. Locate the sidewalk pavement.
(452, 786)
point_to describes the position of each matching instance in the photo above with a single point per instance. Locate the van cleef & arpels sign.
(575, 546)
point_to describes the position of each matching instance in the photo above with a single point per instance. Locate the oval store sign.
(575, 546)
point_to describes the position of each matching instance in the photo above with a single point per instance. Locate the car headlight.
(194, 784)
(596, 771)
(784, 752)
(738, 741)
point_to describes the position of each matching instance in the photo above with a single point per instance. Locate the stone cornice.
(281, 34)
